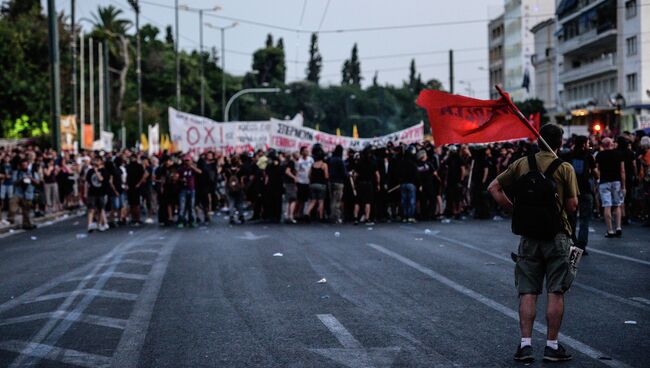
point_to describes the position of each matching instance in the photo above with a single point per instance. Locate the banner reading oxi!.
(291, 138)
(195, 134)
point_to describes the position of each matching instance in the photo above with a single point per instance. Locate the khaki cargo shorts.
(539, 259)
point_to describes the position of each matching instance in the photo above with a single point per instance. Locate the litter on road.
(34, 238)
(337, 234)
(630, 322)
(278, 254)
(322, 281)
(427, 231)
(81, 236)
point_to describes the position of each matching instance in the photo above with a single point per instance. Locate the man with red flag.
(458, 119)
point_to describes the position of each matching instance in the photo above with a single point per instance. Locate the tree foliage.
(315, 60)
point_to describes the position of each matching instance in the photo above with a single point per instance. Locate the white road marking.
(150, 251)
(54, 329)
(248, 235)
(353, 354)
(67, 356)
(575, 283)
(640, 299)
(128, 261)
(114, 275)
(91, 292)
(539, 327)
(128, 349)
(336, 328)
(85, 318)
(639, 261)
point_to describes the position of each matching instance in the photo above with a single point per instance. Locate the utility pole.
(201, 64)
(82, 110)
(178, 60)
(55, 77)
(223, 74)
(73, 47)
(107, 86)
(100, 71)
(136, 7)
(91, 82)
(451, 71)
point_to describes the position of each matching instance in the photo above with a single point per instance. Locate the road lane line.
(640, 299)
(339, 331)
(577, 284)
(128, 349)
(626, 258)
(93, 292)
(128, 261)
(67, 356)
(539, 327)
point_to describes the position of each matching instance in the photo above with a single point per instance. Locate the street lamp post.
(223, 65)
(55, 76)
(138, 57)
(201, 67)
(178, 60)
(245, 91)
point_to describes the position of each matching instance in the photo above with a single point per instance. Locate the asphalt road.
(425, 295)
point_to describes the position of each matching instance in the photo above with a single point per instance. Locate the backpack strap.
(532, 163)
(552, 167)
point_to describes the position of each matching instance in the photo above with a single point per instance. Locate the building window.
(630, 9)
(631, 46)
(631, 82)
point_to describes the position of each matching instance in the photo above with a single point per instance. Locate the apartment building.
(518, 18)
(544, 62)
(495, 46)
(603, 46)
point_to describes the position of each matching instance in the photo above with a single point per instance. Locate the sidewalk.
(47, 219)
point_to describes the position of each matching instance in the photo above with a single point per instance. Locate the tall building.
(519, 17)
(544, 62)
(495, 46)
(601, 56)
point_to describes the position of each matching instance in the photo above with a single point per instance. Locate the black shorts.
(303, 192)
(365, 192)
(133, 197)
(94, 202)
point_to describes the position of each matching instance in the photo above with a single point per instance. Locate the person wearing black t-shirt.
(612, 185)
(366, 174)
(136, 177)
(97, 178)
(584, 165)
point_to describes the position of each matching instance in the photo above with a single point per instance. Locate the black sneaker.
(619, 233)
(610, 235)
(559, 355)
(524, 354)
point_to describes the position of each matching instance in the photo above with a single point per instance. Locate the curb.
(39, 221)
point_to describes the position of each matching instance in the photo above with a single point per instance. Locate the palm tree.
(109, 26)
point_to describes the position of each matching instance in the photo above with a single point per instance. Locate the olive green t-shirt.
(564, 176)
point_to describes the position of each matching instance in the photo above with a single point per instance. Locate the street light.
(249, 90)
(223, 64)
(138, 70)
(200, 11)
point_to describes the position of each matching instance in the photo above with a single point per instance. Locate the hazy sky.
(244, 39)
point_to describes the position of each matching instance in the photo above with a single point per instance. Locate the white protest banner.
(290, 138)
(153, 137)
(194, 134)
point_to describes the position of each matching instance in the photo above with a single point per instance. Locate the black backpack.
(536, 212)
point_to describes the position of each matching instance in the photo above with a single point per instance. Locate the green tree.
(374, 79)
(269, 64)
(315, 60)
(111, 27)
(533, 106)
(280, 44)
(355, 67)
(412, 84)
(345, 74)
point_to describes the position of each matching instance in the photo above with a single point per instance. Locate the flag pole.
(524, 120)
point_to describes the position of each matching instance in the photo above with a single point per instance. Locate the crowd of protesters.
(407, 183)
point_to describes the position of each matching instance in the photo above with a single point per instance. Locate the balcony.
(592, 40)
(601, 66)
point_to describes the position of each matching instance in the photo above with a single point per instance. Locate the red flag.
(459, 119)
